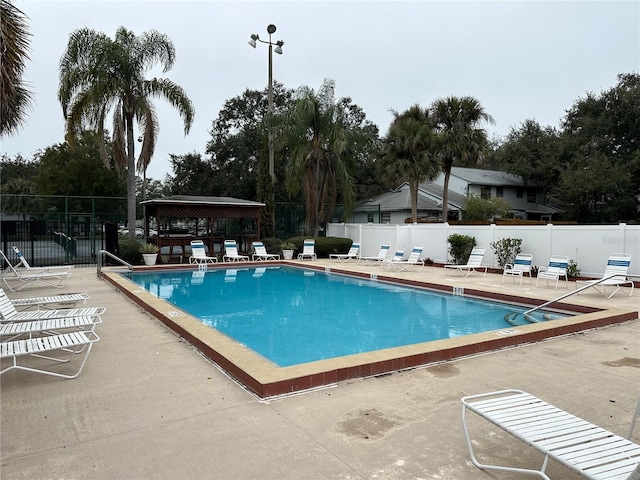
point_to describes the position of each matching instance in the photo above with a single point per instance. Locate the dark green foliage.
(324, 245)
(506, 250)
(129, 250)
(272, 244)
(460, 247)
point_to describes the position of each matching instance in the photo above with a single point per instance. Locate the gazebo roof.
(201, 200)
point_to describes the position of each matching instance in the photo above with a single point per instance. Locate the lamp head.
(278, 50)
(252, 42)
(271, 29)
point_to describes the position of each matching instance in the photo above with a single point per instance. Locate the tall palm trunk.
(413, 192)
(445, 193)
(131, 179)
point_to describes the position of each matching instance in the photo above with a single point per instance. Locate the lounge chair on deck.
(413, 259)
(520, 266)
(352, 254)
(8, 312)
(474, 263)
(260, 252)
(231, 252)
(382, 255)
(556, 269)
(27, 278)
(51, 302)
(23, 261)
(199, 254)
(616, 275)
(71, 343)
(308, 250)
(583, 447)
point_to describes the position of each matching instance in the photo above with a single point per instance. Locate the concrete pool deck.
(148, 405)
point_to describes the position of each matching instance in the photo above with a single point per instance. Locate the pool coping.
(265, 379)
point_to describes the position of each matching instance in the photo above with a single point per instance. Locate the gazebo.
(208, 218)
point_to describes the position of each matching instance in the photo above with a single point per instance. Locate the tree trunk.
(445, 192)
(131, 180)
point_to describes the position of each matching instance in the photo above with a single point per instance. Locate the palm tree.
(320, 141)
(460, 138)
(15, 99)
(409, 153)
(98, 74)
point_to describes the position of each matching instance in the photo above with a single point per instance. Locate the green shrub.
(572, 269)
(272, 244)
(506, 250)
(460, 247)
(476, 208)
(129, 250)
(324, 245)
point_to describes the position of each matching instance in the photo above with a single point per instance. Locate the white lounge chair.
(520, 266)
(27, 278)
(413, 259)
(14, 330)
(70, 343)
(382, 255)
(231, 252)
(308, 250)
(51, 302)
(260, 252)
(615, 274)
(474, 263)
(583, 447)
(8, 312)
(556, 269)
(23, 261)
(352, 254)
(199, 254)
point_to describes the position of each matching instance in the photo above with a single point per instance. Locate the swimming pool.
(291, 315)
(265, 379)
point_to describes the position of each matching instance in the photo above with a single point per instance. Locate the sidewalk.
(147, 405)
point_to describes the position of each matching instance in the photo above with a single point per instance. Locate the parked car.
(139, 232)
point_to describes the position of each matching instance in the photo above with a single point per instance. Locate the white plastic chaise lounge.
(474, 263)
(380, 257)
(308, 250)
(583, 447)
(556, 269)
(199, 254)
(8, 312)
(260, 253)
(23, 261)
(413, 259)
(520, 266)
(231, 252)
(15, 330)
(352, 254)
(27, 278)
(51, 302)
(616, 276)
(70, 343)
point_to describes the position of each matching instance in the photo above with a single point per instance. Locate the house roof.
(429, 198)
(487, 177)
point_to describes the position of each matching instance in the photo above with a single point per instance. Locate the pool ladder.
(101, 254)
(511, 317)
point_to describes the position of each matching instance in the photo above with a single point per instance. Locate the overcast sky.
(520, 59)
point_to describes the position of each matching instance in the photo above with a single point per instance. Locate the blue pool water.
(292, 316)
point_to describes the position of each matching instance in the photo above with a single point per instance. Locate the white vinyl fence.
(589, 245)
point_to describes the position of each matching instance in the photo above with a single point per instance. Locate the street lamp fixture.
(255, 38)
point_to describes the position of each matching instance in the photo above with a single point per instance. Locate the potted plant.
(287, 250)
(149, 253)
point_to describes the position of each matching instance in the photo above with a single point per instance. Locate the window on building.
(385, 217)
(370, 217)
(499, 192)
(531, 195)
(519, 193)
(485, 192)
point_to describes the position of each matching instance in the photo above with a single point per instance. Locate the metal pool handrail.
(101, 253)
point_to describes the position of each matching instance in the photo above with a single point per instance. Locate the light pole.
(271, 29)
(253, 42)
